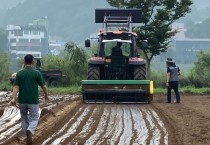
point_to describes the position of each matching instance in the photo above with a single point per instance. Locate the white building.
(56, 47)
(29, 39)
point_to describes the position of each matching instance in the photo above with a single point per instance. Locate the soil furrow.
(65, 124)
(85, 134)
(77, 126)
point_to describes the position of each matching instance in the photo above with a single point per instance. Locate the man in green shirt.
(26, 83)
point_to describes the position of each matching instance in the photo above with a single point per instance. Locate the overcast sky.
(202, 3)
(4, 4)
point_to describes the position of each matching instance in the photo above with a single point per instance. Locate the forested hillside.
(197, 22)
(73, 20)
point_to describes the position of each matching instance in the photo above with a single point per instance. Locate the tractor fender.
(96, 60)
(136, 61)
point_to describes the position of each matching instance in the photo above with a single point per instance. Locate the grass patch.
(77, 90)
(65, 90)
(6, 85)
(201, 91)
(162, 91)
(185, 90)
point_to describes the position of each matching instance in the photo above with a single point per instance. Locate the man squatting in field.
(26, 83)
(173, 72)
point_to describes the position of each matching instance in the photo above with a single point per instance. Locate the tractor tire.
(139, 72)
(93, 72)
(54, 83)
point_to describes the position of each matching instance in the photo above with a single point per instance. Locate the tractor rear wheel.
(54, 83)
(93, 72)
(139, 72)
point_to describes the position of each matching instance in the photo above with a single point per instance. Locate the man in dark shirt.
(117, 51)
(173, 72)
(26, 83)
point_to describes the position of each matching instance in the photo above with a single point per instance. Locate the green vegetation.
(65, 90)
(200, 72)
(4, 66)
(72, 62)
(5, 84)
(3, 40)
(161, 91)
(185, 90)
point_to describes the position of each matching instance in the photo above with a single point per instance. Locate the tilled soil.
(72, 122)
(189, 119)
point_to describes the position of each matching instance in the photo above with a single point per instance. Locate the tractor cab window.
(125, 47)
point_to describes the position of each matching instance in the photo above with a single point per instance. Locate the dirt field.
(66, 120)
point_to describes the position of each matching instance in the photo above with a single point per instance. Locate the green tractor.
(116, 73)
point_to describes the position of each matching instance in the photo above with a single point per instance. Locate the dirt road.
(66, 120)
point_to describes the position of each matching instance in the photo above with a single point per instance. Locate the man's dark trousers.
(173, 85)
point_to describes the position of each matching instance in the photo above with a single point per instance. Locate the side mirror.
(144, 44)
(87, 43)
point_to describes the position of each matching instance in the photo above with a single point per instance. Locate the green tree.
(157, 17)
(200, 72)
(3, 40)
(76, 61)
(4, 65)
(52, 62)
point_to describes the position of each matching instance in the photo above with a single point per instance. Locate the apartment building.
(27, 39)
